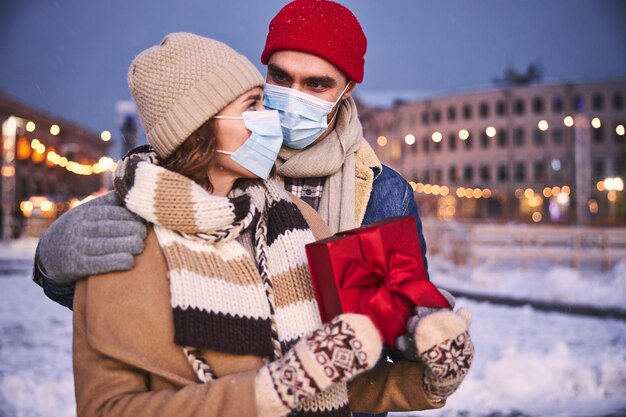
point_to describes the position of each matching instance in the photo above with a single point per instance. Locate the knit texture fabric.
(319, 27)
(444, 345)
(337, 352)
(334, 159)
(223, 298)
(182, 82)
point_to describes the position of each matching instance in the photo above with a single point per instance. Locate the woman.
(218, 315)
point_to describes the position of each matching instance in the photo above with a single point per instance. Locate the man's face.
(307, 73)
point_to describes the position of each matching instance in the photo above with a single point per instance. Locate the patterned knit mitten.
(336, 352)
(444, 345)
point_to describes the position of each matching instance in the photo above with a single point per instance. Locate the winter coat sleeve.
(108, 387)
(125, 361)
(390, 387)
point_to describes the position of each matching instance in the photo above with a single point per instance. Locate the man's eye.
(317, 86)
(279, 77)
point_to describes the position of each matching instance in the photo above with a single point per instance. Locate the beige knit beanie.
(184, 81)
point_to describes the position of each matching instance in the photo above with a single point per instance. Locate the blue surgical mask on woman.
(258, 153)
(303, 117)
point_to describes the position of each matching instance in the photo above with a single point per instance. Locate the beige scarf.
(334, 159)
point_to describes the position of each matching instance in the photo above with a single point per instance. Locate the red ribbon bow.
(388, 291)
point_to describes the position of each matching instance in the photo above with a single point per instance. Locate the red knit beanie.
(319, 27)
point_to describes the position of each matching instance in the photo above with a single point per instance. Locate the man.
(315, 56)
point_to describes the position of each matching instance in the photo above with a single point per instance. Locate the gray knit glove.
(337, 352)
(96, 237)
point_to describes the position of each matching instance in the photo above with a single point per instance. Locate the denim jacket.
(393, 196)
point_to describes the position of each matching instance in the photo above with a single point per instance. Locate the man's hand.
(405, 344)
(96, 237)
(444, 345)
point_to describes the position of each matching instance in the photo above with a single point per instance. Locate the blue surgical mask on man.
(259, 152)
(303, 117)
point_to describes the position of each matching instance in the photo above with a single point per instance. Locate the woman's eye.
(253, 106)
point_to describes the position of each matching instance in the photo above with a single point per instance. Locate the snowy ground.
(527, 363)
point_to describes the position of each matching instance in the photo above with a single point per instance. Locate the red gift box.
(377, 270)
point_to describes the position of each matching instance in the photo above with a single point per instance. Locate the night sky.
(70, 57)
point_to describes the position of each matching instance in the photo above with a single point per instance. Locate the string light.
(568, 121)
(104, 164)
(596, 123)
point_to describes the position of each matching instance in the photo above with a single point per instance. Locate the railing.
(486, 244)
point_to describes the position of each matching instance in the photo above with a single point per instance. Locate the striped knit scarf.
(223, 298)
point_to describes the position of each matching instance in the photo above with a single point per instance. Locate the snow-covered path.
(540, 364)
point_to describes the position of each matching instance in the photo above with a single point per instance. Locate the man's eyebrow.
(324, 80)
(275, 69)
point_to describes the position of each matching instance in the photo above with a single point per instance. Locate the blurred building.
(47, 163)
(528, 152)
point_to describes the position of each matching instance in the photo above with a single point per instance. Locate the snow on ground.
(541, 281)
(527, 362)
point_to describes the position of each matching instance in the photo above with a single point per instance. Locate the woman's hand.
(336, 352)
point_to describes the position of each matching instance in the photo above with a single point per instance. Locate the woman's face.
(231, 134)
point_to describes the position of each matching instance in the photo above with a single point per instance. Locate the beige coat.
(126, 362)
